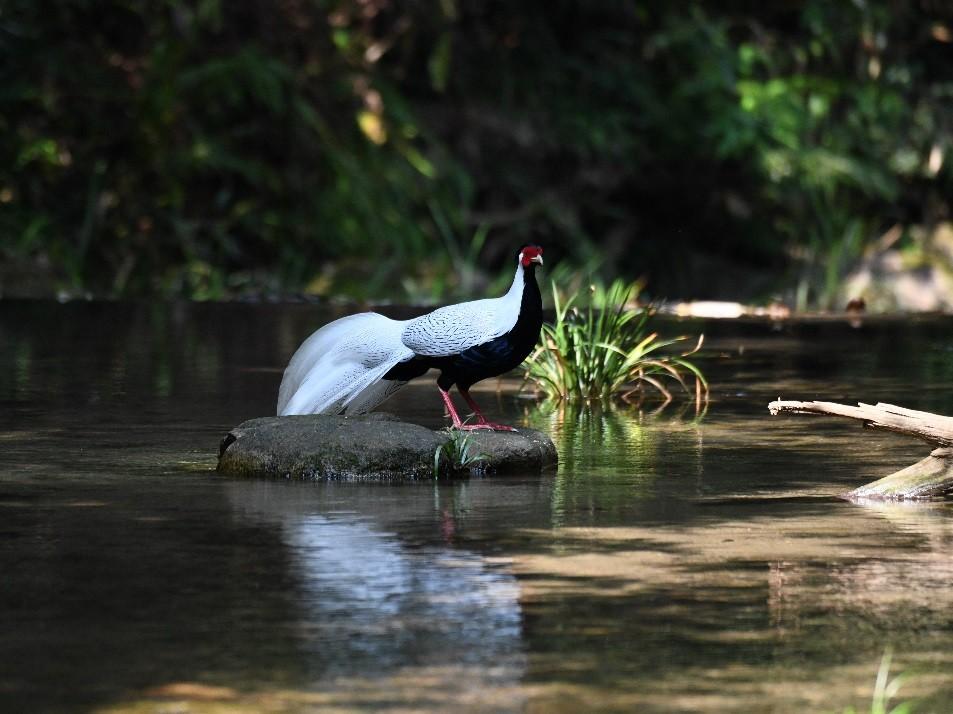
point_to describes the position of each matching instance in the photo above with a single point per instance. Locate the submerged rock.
(375, 447)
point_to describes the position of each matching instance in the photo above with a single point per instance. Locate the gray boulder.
(375, 447)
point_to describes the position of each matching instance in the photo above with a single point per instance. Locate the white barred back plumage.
(454, 328)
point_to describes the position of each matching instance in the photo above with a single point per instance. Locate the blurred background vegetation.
(402, 149)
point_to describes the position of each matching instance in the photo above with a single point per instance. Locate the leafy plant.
(402, 150)
(608, 348)
(456, 454)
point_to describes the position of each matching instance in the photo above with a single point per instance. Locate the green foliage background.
(382, 148)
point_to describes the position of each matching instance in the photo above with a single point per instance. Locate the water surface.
(675, 562)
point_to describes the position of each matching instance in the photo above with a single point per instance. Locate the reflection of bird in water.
(353, 364)
(376, 593)
(371, 604)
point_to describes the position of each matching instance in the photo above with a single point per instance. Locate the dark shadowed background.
(402, 150)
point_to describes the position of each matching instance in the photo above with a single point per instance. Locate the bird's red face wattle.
(531, 254)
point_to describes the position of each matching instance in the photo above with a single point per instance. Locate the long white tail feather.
(372, 396)
(338, 362)
(320, 345)
(325, 390)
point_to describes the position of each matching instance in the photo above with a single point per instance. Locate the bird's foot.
(488, 426)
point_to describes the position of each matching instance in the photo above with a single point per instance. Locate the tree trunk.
(929, 478)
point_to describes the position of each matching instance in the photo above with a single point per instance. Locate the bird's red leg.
(482, 423)
(473, 405)
(457, 424)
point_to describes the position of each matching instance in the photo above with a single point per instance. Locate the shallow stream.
(675, 562)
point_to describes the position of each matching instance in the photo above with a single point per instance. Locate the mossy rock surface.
(375, 447)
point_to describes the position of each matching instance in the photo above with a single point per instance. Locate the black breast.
(502, 354)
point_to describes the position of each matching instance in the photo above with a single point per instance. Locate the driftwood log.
(929, 478)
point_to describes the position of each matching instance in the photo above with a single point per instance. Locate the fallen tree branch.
(930, 477)
(932, 428)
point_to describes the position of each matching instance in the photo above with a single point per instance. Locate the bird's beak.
(536, 259)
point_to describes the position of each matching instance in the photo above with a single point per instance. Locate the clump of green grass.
(457, 454)
(607, 349)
